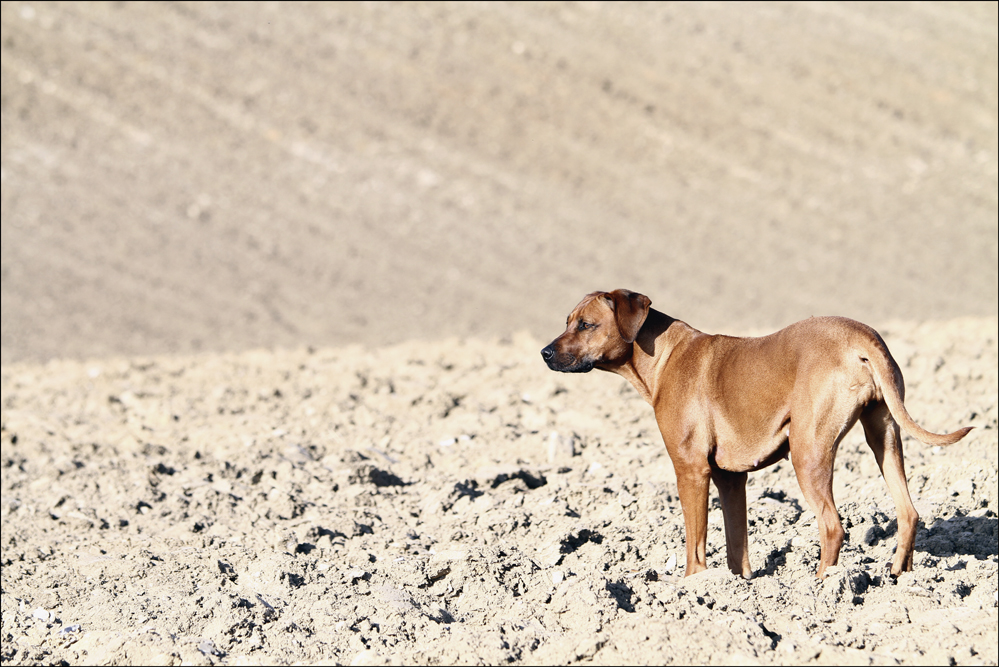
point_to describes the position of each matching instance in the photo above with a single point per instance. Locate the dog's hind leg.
(884, 439)
(813, 451)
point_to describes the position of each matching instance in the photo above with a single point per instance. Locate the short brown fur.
(727, 406)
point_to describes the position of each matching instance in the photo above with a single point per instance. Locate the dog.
(727, 406)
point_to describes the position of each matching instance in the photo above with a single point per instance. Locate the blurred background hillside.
(202, 176)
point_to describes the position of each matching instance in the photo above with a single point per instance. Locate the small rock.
(873, 534)
(41, 614)
(367, 657)
(712, 580)
(270, 613)
(859, 581)
(395, 599)
(355, 574)
(560, 447)
(670, 563)
(962, 487)
(450, 555)
(625, 498)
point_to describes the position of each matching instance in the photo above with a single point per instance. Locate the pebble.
(671, 563)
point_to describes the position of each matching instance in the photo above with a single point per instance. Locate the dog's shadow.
(960, 535)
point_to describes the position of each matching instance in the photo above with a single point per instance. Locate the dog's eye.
(583, 326)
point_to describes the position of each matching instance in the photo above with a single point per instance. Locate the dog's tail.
(888, 377)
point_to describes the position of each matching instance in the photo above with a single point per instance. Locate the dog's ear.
(630, 311)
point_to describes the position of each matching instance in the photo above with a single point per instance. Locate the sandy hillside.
(275, 279)
(204, 177)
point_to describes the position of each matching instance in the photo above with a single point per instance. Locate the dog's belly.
(748, 454)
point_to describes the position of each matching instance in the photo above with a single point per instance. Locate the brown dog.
(726, 406)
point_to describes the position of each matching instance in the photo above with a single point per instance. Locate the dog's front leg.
(692, 483)
(732, 493)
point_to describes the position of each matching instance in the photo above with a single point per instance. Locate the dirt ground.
(459, 503)
(275, 279)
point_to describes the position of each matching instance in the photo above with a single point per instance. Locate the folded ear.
(630, 311)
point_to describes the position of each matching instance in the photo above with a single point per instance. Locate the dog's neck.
(656, 339)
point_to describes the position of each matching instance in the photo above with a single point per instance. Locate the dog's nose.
(548, 353)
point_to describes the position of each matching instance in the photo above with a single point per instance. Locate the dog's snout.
(547, 353)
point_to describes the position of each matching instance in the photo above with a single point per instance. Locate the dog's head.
(599, 332)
